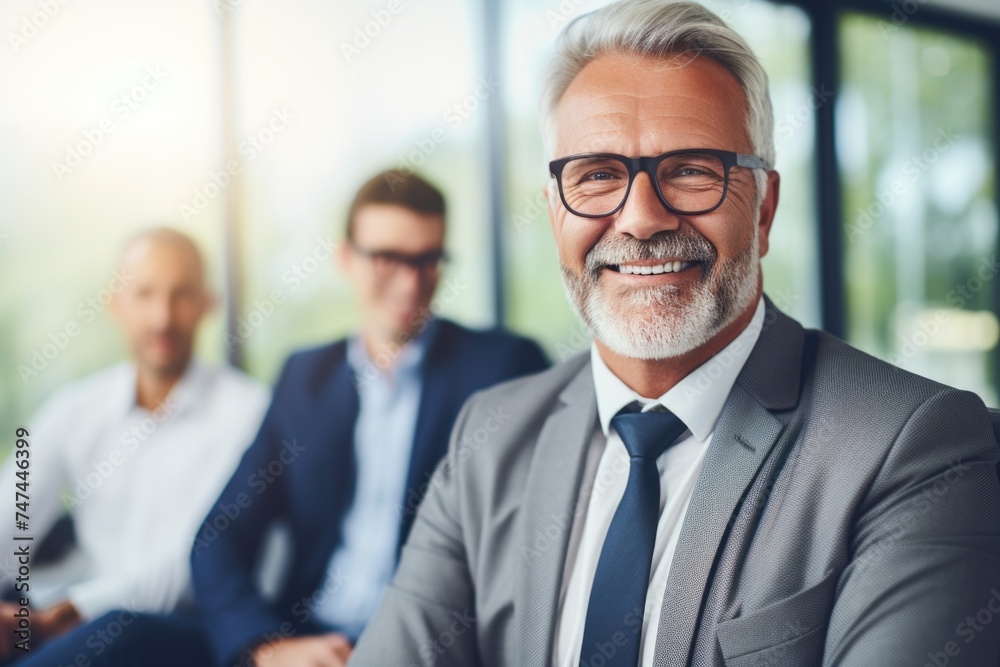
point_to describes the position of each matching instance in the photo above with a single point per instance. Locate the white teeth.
(668, 267)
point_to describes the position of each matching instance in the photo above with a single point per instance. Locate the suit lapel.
(430, 437)
(551, 494)
(326, 490)
(743, 438)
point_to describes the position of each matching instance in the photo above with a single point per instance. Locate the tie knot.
(647, 434)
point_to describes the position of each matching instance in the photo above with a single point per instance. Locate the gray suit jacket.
(847, 513)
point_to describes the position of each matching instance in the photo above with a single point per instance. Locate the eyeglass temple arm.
(750, 161)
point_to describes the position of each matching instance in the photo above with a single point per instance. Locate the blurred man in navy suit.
(343, 457)
(357, 427)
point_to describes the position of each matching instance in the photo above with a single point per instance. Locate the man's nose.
(161, 312)
(409, 278)
(643, 214)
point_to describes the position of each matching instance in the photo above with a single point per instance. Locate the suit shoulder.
(315, 353)
(310, 360)
(850, 367)
(494, 353)
(535, 392)
(848, 382)
(492, 337)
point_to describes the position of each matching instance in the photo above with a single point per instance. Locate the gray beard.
(657, 322)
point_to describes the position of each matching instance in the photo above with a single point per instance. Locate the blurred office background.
(121, 114)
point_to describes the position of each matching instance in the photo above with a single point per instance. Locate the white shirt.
(698, 400)
(137, 483)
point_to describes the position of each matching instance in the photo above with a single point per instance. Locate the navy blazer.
(300, 468)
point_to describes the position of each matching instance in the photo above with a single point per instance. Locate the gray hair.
(661, 28)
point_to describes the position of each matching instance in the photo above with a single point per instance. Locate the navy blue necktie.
(613, 628)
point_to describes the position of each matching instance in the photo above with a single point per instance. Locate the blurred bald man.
(137, 452)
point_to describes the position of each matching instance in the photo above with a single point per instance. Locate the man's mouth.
(646, 268)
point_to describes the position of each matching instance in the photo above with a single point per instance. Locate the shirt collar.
(184, 395)
(409, 359)
(697, 399)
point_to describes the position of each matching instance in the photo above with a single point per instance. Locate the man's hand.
(329, 650)
(54, 621)
(8, 625)
(45, 625)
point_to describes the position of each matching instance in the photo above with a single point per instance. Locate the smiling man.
(136, 452)
(712, 485)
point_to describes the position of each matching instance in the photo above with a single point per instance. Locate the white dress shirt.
(698, 400)
(138, 483)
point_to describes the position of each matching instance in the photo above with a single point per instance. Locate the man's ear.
(115, 307)
(549, 189)
(768, 207)
(345, 259)
(209, 301)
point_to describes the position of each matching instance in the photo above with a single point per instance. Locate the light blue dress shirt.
(363, 564)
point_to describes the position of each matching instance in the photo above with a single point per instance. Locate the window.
(918, 168)
(102, 130)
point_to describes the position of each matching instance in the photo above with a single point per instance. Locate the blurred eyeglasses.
(688, 182)
(390, 262)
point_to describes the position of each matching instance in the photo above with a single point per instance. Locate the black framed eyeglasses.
(688, 182)
(390, 261)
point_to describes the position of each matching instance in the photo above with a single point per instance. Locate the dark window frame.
(825, 18)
